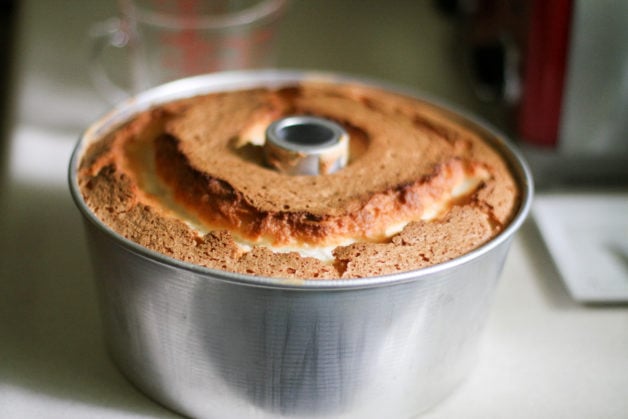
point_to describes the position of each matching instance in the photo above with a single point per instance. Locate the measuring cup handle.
(104, 35)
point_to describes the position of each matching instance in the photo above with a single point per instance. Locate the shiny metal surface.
(306, 145)
(217, 345)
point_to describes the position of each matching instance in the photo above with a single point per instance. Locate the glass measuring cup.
(169, 39)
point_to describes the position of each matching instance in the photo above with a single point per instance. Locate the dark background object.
(8, 17)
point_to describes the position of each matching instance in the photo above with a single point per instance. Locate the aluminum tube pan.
(213, 344)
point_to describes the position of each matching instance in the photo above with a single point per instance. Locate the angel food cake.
(189, 179)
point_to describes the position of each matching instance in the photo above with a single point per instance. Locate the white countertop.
(543, 355)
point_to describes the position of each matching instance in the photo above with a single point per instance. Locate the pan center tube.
(306, 145)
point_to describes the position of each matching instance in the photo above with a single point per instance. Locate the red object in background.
(545, 64)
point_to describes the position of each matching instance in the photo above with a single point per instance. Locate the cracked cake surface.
(188, 179)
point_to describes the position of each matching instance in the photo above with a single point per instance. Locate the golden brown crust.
(419, 245)
(202, 156)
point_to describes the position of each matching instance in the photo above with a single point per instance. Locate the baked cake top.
(188, 179)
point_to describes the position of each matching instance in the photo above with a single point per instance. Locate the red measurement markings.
(192, 50)
(189, 52)
(248, 49)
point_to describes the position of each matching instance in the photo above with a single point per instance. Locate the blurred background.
(552, 75)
